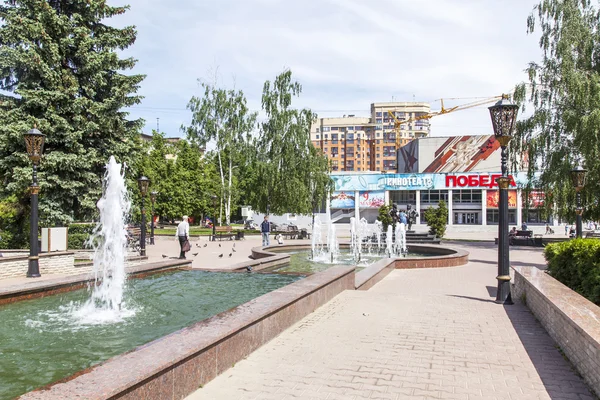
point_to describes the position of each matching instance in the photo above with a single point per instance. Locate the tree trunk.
(228, 204)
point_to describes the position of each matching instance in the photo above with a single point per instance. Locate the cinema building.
(460, 170)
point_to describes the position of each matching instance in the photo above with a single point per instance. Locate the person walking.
(265, 229)
(183, 232)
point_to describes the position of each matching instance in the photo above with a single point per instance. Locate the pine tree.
(60, 71)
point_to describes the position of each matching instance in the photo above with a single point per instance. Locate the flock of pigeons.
(205, 245)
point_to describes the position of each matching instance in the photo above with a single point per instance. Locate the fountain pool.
(301, 261)
(44, 340)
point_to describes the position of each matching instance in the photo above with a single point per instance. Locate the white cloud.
(345, 53)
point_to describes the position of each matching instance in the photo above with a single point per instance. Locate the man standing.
(265, 229)
(183, 232)
(412, 216)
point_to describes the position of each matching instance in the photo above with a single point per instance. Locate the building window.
(493, 216)
(325, 129)
(317, 130)
(358, 128)
(378, 121)
(378, 114)
(389, 164)
(466, 196)
(317, 136)
(434, 196)
(350, 128)
(335, 128)
(379, 127)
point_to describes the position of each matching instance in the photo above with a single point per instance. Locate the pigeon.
(249, 269)
(205, 244)
(194, 254)
(197, 245)
(219, 244)
(164, 256)
(233, 250)
(230, 254)
(234, 245)
(221, 255)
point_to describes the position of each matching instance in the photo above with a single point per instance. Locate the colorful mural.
(342, 200)
(371, 199)
(493, 199)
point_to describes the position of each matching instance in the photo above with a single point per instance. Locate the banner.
(371, 199)
(493, 199)
(342, 200)
(379, 182)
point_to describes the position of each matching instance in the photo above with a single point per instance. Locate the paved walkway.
(418, 334)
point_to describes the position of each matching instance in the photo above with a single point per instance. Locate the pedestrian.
(566, 229)
(183, 232)
(265, 229)
(403, 217)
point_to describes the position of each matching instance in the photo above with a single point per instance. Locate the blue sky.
(345, 53)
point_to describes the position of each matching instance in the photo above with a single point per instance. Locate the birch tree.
(564, 89)
(221, 116)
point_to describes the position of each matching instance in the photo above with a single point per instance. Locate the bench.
(223, 232)
(592, 234)
(526, 236)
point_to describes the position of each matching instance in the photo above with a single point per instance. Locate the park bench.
(223, 232)
(134, 235)
(592, 234)
(526, 236)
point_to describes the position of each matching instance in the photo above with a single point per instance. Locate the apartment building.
(369, 143)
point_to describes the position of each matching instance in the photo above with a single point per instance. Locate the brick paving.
(418, 334)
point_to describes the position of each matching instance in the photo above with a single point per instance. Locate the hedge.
(82, 228)
(77, 240)
(576, 263)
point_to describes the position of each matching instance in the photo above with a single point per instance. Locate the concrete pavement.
(418, 334)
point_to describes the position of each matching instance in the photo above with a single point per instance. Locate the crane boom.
(398, 123)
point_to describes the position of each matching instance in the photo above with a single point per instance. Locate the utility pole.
(157, 125)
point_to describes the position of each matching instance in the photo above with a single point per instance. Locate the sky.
(346, 54)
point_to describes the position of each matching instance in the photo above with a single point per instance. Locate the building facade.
(358, 144)
(461, 171)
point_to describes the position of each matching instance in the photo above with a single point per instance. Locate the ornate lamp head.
(153, 195)
(143, 183)
(578, 177)
(504, 115)
(34, 141)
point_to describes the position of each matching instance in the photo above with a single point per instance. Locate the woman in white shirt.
(183, 232)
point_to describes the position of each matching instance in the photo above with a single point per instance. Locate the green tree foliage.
(384, 217)
(222, 116)
(291, 173)
(564, 89)
(437, 219)
(182, 176)
(60, 71)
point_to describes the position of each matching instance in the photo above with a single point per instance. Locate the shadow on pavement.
(556, 373)
(471, 298)
(492, 262)
(528, 264)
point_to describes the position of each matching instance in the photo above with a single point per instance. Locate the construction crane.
(398, 123)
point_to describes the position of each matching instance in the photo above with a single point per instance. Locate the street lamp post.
(143, 183)
(214, 201)
(578, 177)
(34, 141)
(504, 115)
(153, 195)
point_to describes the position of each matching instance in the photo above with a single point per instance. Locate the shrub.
(82, 228)
(384, 217)
(576, 263)
(437, 219)
(77, 241)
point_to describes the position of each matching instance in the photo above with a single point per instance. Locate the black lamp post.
(34, 141)
(578, 177)
(143, 183)
(504, 115)
(214, 201)
(153, 195)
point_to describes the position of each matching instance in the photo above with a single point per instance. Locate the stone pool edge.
(176, 365)
(41, 288)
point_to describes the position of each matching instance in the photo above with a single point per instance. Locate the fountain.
(109, 241)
